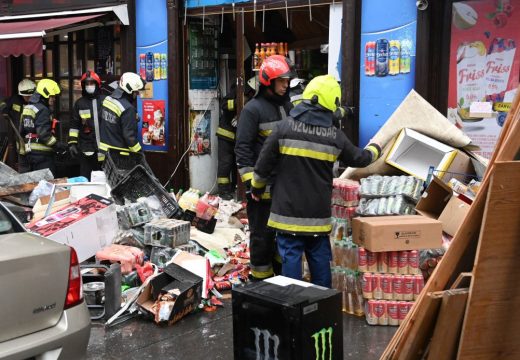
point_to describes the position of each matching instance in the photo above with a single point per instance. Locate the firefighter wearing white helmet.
(13, 108)
(36, 127)
(119, 117)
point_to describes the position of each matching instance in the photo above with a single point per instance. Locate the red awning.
(26, 37)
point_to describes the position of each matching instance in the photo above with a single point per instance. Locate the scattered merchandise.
(345, 192)
(167, 232)
(377, 186)
(392, 205)
(127, 256)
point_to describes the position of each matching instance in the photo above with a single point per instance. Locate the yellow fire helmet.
(323, 90)
(47, 87)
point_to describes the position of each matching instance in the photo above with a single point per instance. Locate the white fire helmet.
(26, 87)
(131, 82)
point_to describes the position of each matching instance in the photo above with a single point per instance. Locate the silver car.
(42, 312)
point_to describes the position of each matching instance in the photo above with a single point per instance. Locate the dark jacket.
(14, 108)
(228, 112)
(118, 124)
(302, 150)
(36, 126)
(82, 127)
(257, 120)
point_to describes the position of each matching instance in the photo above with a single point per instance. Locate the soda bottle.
(381, 57)
(393, 58)
(286, 50)
(164, 67)
(157, 66)
(149, 66)
(405, 63)
(256, 58)
(142, 66)
(262, 54)
(370, 58)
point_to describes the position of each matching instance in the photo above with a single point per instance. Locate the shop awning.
(26, 37)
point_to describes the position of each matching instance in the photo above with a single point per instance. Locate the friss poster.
(484, 66)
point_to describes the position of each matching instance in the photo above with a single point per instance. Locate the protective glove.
(73, 150)
(60, 148)
(234, 122)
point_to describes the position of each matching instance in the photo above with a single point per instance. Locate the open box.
(414, 153)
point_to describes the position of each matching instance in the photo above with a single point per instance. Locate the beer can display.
(392, 309)
(380, 312)
(393, 57)
(371, 312)
(382, 262)
(377, 289)
(382, 47)
(398, 285)
(370, 58)
(413, 262)
(403, 310)
(387, 281)
(157, 66)
(408, 287)
(371, 261)
(393, 262)
(403, 263)
(418, 285)
(367, 286)
(362, 259)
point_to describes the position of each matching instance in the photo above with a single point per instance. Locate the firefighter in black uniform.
(14, 108)
(257, 120)
(119, 117)
(226, 140)
(303, 149)
(40, 143)
(84, 126)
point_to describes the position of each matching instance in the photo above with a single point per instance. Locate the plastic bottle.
(262, 54)
(256, 59)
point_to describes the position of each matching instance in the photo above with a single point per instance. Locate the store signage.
(266, 344)
(323, 343)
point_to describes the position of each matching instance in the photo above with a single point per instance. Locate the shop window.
(64, 96)
(76, 90)
(48, 63)
(90, 55)
(117, 56)
(77, 61)
(26, 66)
(64, 60)
(38, 66)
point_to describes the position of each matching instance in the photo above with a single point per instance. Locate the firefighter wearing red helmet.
(84, 126)
(258, 118)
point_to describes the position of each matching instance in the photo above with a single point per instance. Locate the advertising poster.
(387, 74)
(484, 66)
(152, 129)
(200, 124)
(152, 66)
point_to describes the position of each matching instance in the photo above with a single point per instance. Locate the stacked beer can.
(390, 282)
(345, 276)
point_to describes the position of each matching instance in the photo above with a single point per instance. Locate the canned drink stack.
(382, 262)
(398, 284)
(403, 262)
(372, 261)
(367, 286)
(387, 284)
(362, 259)
(413, 262)
(408, 288)
(377, 288)
(393, 262)
(418, 285)
(371, 312)
(380, 311)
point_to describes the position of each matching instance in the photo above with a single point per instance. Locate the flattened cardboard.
(434, 199)
(397, 233)
(453, 215)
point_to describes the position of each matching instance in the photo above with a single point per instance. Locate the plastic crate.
(140, 183)
(117, 166)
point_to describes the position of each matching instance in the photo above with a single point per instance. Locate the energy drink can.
(382, 46)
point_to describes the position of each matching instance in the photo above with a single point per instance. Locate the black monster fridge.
(283, 319)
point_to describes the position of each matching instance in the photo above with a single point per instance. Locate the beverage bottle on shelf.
(286, 50)
(256, 58)
(262, 54)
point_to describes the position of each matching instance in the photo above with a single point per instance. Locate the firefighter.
(303, 148)
(37, 130)
(119, 117)
(14, 108)
(226, 132)
(296, 87)
(84, 126)
(259, 116)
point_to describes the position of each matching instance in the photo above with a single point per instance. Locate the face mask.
(90, 89)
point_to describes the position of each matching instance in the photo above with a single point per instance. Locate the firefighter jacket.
(83, 126)
(14, 108)
(228, 112)
(36, 125)
(257, 120)
(302, 149)
(118, 128)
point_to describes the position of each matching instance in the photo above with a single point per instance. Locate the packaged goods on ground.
(127, 256)
(392, 205)
(167, 232)
(345, 192)
(384, 312)
(377, 186)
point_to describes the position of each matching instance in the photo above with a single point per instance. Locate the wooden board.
(446, 335)
(492, 320)
(23, 188)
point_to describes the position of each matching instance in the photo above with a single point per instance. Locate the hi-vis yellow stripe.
(85, 116)
(17, 107)
(247, 176)
(265, 133)
(135, 148)
(299, 228)
(226, 133)
(112, 107)
(313, 154)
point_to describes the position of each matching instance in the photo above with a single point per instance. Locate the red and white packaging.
(376, 286)
(418, 285)
(380, 312)
(371, 312)
(403, 311)
(392, 309)
(403, 263)
(408, 288)
(362, 259)
(393, 262)
(398, 287)
(382, 262)
(367, 286)
(413, 262)
(387, 285)
(371, 261)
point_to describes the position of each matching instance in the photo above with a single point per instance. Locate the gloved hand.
(73, 150)
(60, 148)
(234, 122)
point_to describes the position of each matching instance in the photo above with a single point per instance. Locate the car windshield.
(8, 224)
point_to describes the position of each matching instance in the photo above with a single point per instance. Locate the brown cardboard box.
(397, 233)
(453, 215)
(434, 199)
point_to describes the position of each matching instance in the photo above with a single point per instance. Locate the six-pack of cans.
(388, 57)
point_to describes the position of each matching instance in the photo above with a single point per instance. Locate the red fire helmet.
(275, 66)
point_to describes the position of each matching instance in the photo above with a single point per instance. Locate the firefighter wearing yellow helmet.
(303, 149)
(36, 127)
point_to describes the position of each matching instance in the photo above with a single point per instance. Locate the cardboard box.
(453, 215)
(87, 225)
(434, 199)
(414, 153)
(397, 233)
(186, 285)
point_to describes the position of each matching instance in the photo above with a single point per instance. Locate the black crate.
(117, 166)
(287, 322)
(139, 183)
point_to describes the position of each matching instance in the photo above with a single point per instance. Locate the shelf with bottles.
(264, 50)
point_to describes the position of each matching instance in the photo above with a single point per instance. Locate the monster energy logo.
(320, 341)
(263, 340)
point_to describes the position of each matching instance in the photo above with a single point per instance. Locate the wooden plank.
(415, 348)
(446, 335)
(462, 281)
(492, 321)
(465, 238)
(17, 189)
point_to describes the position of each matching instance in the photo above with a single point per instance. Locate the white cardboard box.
(414, 153)
(87, 225)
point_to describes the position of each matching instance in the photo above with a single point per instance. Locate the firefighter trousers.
(39, 161)
(226, 171)
(87, 164)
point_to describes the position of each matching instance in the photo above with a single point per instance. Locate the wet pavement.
(210, 336)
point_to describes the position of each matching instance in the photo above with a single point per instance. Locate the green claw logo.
(320, 341)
